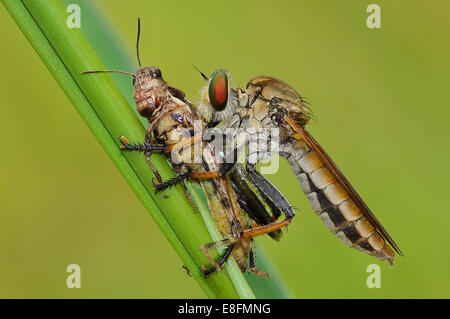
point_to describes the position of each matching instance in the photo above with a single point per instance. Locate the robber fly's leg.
(188, 195)
(147, 148)
(260, 230)
(253, 268)
(219, 264)
(223, 171)
(227, 241)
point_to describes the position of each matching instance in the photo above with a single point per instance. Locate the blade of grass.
(112, 117)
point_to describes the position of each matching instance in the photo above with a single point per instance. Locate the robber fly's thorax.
(267, 100)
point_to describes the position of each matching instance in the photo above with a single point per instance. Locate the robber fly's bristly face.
(149, 87)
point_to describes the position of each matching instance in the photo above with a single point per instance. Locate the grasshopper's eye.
(218, 90)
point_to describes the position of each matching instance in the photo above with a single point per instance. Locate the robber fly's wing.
(340, 178)
(273, 197)
(250, 203)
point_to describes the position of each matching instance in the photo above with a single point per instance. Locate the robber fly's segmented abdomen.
(333, 204)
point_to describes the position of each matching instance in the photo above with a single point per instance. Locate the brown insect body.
(270, 103)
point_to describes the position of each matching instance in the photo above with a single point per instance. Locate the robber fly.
(268, 103)
(172, 120)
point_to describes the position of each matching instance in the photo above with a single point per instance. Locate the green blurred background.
(381, 97)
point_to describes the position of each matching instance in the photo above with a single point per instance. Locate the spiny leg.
(147, 148)
(207, 247)
(155, 171)
(149, 161)
(162, 185)
(246, 234)
(219, 264)
(260, 230)
(253, 268)
(190, 174)
(188, 195)
(223, 170)
(159, 187)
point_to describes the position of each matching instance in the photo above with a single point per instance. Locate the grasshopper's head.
(149, 86)
(149, 90)
(216, 103)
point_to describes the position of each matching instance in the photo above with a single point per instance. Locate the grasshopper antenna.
(104, 71)
(137, 51)
(202, 74)
(137, 42)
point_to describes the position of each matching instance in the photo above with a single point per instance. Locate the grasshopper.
(236, 208)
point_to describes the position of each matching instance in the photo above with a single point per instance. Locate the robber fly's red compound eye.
(218, 90)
